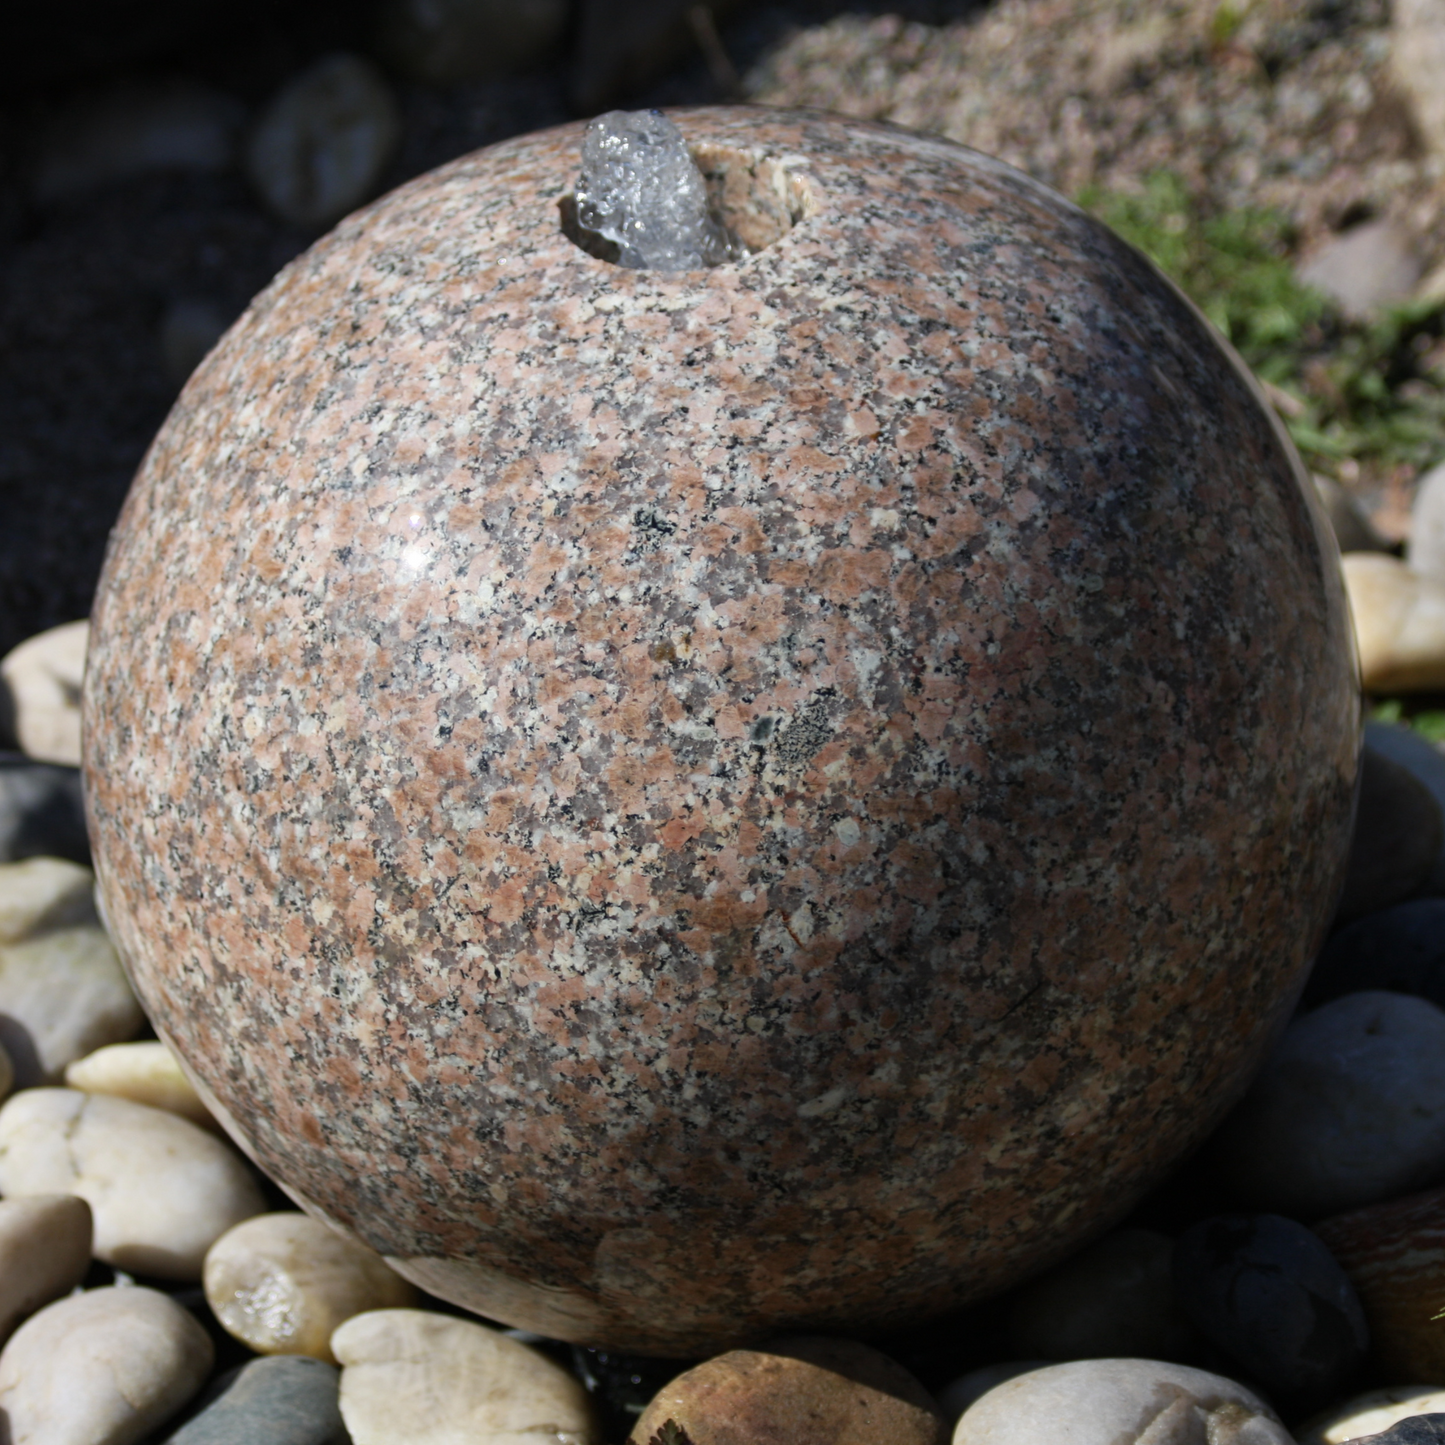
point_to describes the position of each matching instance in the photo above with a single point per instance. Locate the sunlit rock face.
(679, 804)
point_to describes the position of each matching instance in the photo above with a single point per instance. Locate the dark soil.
(84, 285)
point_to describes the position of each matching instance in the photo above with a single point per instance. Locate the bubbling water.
(641, 190)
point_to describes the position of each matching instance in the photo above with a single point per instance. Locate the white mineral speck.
(640, 188)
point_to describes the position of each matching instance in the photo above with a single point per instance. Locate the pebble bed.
(1287, 1283)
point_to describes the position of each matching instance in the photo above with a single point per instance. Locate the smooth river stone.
(1119, 1402)
(44, 1253)
(283, 1283)
(430, 1379)
(161, 1190)
(673, 805)
(145, 1073)
(101, 1368)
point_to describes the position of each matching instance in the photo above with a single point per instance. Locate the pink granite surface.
(676, 806)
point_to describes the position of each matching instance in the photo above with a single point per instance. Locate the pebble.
(1115, 1298)
(1120, 1402)
(286, 1400)
(1417, 56)
(43, 893)
(807, 1391)
(1425, 762)
(41, 812)
(283, 1283)
(1348, 1110)
(1394, 1254)
(1365, 268)
(144, 1072)
(1415, 1430)
(321, 145)
(1397, 840)
(957, 1396)
(1425, 549)
(1399, 623)
(1354, 532)
(1266, 1292)
(432, 1379)
(442, 42)
(101, 1368)
(1401, 949)
(41, 683)
(132, 130)
(162, 1191)
(1369, 1414)
(63, 994)
(44, 1253)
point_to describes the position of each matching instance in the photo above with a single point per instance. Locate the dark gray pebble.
(279, 1400)
(1413, 1430)
(40, 811)
(1398, 836)
(1266, 1292)
(1401, 949)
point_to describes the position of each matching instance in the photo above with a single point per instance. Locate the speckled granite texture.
(677, 806)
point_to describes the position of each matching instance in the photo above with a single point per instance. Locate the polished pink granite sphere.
(676, 806)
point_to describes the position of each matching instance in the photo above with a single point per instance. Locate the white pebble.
(1347, 1111)
(101, 1368)
(959, 1394)
(1372, 1413)
(162, 1191)
(1119, 1402)
(144, 1072)
(63, 994)
(44, 1253)
(431, 1379)
(37, 894)
(282, 1283)
(1426, 547)
(42, 677)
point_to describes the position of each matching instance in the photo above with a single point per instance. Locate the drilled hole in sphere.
(752, 199)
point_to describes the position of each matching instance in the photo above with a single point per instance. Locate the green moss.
(1372, 394)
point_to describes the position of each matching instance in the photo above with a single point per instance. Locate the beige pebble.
(430, 1379)
(282, 1283)
(1399, 623)
(44, 1253)
(162, 1191)
(1370, 1414)
(37, 894)
(101, 1368)
(146, 1073)
(63, 994)
(42, 679)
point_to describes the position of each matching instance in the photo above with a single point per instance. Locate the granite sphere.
(681, 805)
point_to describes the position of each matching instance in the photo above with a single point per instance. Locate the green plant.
(1368, 393)
(1428, 722)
